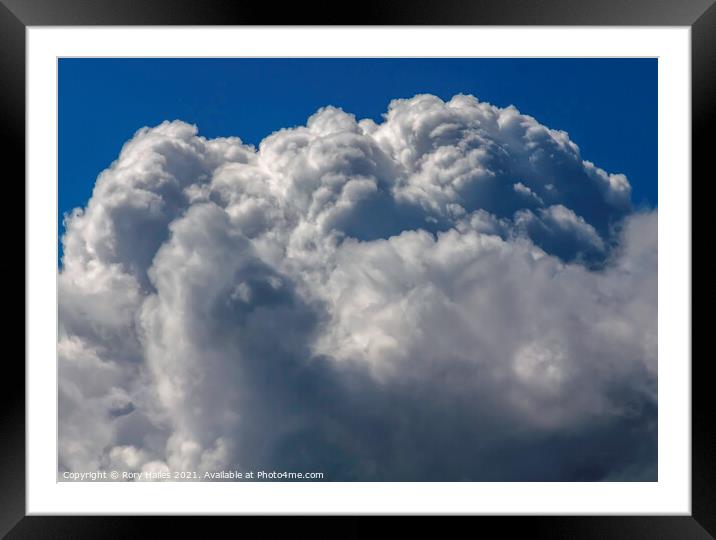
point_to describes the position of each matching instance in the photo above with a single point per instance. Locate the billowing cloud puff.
(451, 294)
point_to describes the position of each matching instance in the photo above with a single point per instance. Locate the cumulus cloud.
(450, 294)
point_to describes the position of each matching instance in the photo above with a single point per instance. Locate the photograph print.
(357, 269)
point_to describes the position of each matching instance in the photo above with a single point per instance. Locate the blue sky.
(608, 106)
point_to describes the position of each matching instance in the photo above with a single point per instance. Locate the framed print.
(432, 260)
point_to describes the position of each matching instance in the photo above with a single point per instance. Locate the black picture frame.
(16, 15)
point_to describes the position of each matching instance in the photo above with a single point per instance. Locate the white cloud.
(450, 294)
(522, 189)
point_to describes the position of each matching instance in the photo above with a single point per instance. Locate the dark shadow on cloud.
(353, 429)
